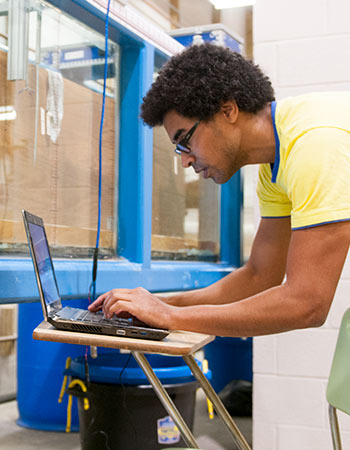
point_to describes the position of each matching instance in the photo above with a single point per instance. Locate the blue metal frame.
(73, 277)
(135, 158)
(17, 278)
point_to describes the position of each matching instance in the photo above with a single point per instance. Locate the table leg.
(165, 399)
(217, 403)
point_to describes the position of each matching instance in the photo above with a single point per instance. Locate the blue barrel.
(40, 367)
(121, 368)
(229, 359)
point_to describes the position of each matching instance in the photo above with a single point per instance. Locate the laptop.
(68, 318)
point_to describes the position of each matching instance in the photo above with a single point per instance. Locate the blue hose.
(92, 289)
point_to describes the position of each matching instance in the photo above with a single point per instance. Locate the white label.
(167, 431)
(77, 54)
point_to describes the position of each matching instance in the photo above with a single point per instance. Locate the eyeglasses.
(182, 146)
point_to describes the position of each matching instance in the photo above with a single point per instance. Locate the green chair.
(338, 388)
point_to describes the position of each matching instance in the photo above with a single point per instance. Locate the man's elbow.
(316, 312)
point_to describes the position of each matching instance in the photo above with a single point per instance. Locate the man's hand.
(138, 302)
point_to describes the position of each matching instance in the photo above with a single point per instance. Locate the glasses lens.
(182, 148)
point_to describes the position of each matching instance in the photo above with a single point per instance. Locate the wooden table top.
(177, 343)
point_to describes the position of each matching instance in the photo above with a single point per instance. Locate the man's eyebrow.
(178, 134)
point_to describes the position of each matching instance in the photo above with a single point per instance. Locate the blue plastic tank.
(40, 367)
(121, 368)
(229, 359)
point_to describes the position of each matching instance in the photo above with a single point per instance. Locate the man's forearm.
(240, 284)
(272, 311)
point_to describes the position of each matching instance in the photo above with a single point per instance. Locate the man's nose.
(187, 159)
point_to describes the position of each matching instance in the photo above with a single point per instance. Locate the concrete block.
(306, 353)
(264, 355)
(264, 436)
(303, 438)
(338, 16)
(341, 303)
(346, 269)
(314, 61)
(266, 56)
(283, 19)
(289, 401)
(291, 91)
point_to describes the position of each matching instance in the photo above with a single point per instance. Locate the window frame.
(133, 265)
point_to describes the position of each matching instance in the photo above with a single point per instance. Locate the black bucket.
(125, 413)
(132, 417)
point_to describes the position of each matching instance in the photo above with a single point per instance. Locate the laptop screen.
(44, 263)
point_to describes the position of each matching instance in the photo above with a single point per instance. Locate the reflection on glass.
(50, 136)
(185, 216)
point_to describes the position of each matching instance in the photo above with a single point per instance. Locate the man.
(219, 111)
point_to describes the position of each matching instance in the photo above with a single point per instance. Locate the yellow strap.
(70, 397)
(81, 384)
(83, 388)
(69, 413)
(63, 388)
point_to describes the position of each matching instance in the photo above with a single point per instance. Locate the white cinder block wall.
(303, 45)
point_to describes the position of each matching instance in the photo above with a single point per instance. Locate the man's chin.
(220, 178)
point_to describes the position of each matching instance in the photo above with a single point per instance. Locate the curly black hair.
(196, 82)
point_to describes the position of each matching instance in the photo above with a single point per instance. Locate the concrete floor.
(210, 434)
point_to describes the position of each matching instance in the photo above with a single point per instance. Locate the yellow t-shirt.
(310, 178)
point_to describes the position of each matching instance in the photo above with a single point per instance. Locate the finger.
(122, 307)
(123, 314)
(114, 296)
(100, 299)
(98, 302)
(112, 306)
(95, 309)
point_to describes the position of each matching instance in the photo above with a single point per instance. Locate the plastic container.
(39, 373)
(229, 359)
(132, 417)
(217, 34)
(121, 368)
(125, 413)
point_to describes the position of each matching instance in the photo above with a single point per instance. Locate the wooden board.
(177, 343)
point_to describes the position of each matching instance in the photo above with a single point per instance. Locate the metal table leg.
(217, 403)
(165, 399)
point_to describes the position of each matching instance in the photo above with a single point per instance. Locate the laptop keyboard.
(87, 316)
(83, 315)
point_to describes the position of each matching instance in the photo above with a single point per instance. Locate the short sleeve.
(273, 200)
(317, 177)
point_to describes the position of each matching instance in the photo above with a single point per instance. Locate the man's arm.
(315, 260)
(314, 263)
(265, 268)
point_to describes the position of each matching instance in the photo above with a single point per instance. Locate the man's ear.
(230, 110)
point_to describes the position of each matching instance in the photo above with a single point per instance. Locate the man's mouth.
(199, 170)
(205, 173)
